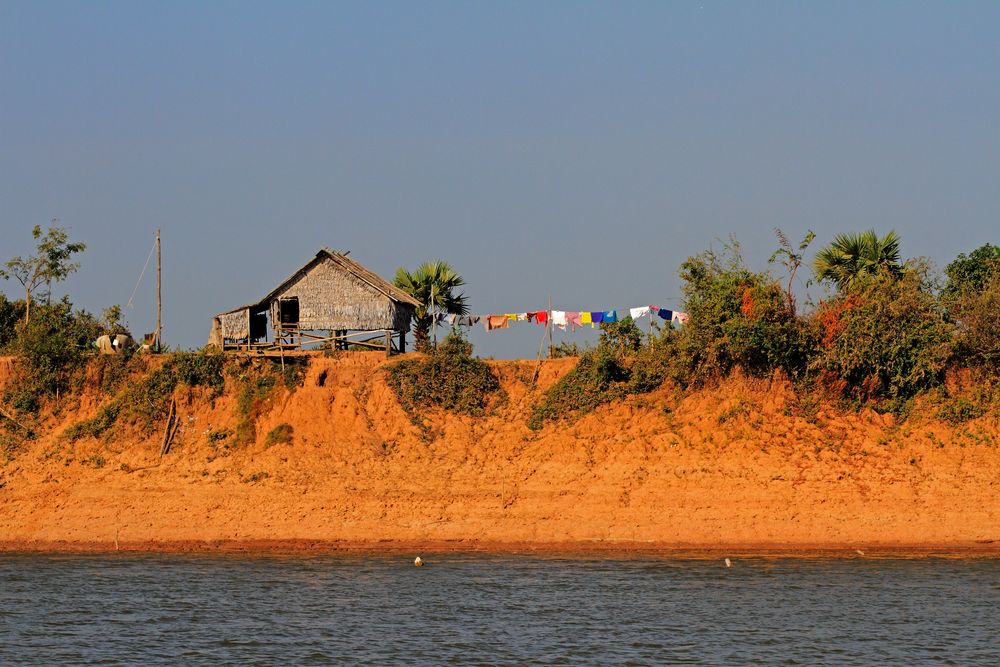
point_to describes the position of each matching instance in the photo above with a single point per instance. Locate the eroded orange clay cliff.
(737, 466)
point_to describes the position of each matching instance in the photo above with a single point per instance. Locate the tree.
(885, 341)
(111, 318)
(970, 274)
(434, 285)
(50, 263)
(972, 297)
(791, 260)
(852, 256)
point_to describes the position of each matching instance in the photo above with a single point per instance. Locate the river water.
(495, 609)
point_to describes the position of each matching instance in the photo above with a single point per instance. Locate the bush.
(148, 400)
(884, 340)
(279, 435)
(11, 312)
(599, 377)
(738, 318)
(51, 350)
(978, 317)
(970, 274)
(449, 378)
(619, 366)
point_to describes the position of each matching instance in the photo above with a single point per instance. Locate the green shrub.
(978, 319)
(970, 274)
(147, 401)
(51, 350)
(279, 435)
(738, 318)
(449, 378)
(619, 366)
(96, 426)
(215, 436)
(599, 377)
(885, 340)
(255, 390)
(11, 313)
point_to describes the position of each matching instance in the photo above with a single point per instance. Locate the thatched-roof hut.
(331, 293)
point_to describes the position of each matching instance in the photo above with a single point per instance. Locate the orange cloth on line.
(496, 322)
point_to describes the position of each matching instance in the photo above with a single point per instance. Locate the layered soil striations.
(743, 465)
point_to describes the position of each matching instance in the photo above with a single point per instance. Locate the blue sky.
(579, 150)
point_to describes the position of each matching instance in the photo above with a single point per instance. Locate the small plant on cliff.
(449, 378)
(620, 365)
(279, 435)
(147, 401)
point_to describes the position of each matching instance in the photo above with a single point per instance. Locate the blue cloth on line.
(666, 314)
(597, 316)
(611, 316)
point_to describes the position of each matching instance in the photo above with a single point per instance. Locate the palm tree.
(433, 284)
(852, 256)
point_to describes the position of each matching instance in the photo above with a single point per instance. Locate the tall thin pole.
(159, 323)
(549, 321)
(434, 323)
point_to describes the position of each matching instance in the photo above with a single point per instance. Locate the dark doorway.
(288, 312)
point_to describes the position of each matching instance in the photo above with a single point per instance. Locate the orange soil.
(730, 467)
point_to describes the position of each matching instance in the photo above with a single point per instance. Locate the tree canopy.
(434, 285)
(852, 256)
(51, 263)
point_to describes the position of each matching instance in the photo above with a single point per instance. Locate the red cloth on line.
(541, 317)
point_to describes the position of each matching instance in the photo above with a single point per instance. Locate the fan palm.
(852, 256)
(434, 285)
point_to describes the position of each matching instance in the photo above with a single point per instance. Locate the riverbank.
(747, 466)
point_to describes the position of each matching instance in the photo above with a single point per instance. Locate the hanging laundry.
(466, 320)
(585, 318)
(523, 317)
(573, 317)
(666, 314)
(541, 317)
(611, 316)
(559, 318)
(680, 318)
(511, 316)
(597, 316)
(496, 322)
(636, 313)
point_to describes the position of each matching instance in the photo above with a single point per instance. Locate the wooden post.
(159, 323)
(434, 324)
(388, 343)
(402, 342)
(549, 324)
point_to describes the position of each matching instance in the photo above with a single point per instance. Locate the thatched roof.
(361, 273)
(348, 265)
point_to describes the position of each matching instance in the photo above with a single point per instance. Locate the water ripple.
(494, 610)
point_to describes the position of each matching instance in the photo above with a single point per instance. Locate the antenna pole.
(159, 324)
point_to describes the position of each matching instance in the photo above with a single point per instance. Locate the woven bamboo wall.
(331, 298)
(235, 324)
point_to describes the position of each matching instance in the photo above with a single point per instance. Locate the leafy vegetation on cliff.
(449, 378)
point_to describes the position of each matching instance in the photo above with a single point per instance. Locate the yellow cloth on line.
(511, 316)
(585, 318)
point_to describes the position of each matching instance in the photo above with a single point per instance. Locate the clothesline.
(561, 318)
